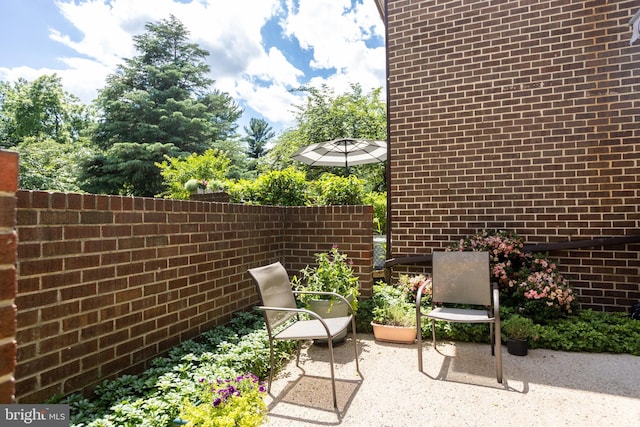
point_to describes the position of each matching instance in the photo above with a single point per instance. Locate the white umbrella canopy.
(343, 152)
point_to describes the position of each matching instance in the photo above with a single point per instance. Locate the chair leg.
(419, 341)
(499, 362)
(333, 377)
(492, 339)
(298, 345)
(271, 358)
(433, 332)
(498, 352)
(355, 344)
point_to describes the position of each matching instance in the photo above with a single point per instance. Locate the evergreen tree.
(258, 133)
(161, 101)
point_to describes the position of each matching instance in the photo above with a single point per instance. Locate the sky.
(259, 49)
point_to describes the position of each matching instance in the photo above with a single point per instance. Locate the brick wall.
(107, 283)
(520, 115)
(8, 288)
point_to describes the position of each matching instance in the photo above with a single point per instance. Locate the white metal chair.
(285, 321)
(462, 278)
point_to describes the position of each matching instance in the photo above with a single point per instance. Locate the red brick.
(8, 286)
(7, 358)
(8, 171)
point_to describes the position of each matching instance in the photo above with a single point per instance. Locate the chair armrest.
(496, 301)
(333, 294)
(419, 300)
(420, 291)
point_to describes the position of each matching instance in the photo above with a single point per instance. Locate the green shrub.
(287, 187)
(379, 203)
(592, 331)
(177, 171)
(338, 190)
(242, 191)
(518, 328)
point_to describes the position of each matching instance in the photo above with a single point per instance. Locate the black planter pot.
(517, 347)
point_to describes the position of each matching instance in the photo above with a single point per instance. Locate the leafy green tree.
(50, 165)
(42, 110)
(45, 125)
(235, 150)
(176, 171)
(162, 96)
(258, 133)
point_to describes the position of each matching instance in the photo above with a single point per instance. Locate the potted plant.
(196, 186)
(518, 330)
(332, 273)
(394, 317)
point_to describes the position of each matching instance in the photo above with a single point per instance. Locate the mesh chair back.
(275, 291)
(461, 278)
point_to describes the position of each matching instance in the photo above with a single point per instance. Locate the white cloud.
(259, 77)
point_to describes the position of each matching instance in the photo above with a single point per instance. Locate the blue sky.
(259, 49)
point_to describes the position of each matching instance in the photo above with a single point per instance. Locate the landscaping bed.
(237, 354)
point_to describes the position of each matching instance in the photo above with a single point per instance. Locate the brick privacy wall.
(107, 283)
(519, 115)
(8, 284)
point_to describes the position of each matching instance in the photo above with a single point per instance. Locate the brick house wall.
(8, 287)
(520, 115)
(107, 283)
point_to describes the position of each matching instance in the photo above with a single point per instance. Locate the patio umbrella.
(343, 152)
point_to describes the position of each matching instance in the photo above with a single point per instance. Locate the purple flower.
(217, 402)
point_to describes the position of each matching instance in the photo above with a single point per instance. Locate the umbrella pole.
(346, 158)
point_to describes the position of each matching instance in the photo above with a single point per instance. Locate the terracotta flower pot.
(396, 334)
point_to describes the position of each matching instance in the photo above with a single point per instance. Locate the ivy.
(157, 396)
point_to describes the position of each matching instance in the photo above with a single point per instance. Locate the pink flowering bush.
(505, 255)
(409, 285)
(531, 284)
(544, 292)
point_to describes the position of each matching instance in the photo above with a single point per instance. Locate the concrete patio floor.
(457, 388)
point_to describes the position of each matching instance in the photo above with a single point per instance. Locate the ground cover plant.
(228, 358)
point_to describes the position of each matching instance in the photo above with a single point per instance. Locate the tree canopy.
(40, 109)
(161, 101)
(45, 125)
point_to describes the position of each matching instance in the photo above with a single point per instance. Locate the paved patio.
(458, 388)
